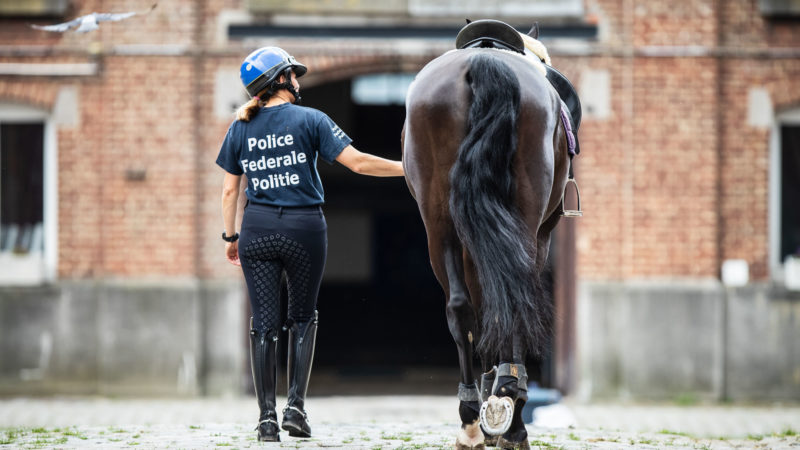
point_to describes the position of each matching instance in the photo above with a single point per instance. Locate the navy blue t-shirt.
(277, 151)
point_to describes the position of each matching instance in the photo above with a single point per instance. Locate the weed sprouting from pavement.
(406, 437)
(74, 432)
(789, 432)
(574, 437)
(755, 437)
(686, 399)
(676, 433)
(10, 436)
(544, 445)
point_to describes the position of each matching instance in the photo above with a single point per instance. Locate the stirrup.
(571, 212)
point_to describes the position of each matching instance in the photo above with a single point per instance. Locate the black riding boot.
(263, 359)
(302, 338)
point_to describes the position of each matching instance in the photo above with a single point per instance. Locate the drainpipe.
(719, 56)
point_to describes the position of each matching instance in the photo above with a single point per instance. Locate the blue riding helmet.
(264, 66)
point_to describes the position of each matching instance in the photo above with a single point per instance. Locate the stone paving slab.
(387, 422)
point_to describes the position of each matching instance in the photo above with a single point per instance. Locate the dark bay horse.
(486, 159)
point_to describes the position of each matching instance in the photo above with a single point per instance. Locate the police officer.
(275, 143)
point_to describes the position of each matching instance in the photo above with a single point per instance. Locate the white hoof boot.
(496, 415)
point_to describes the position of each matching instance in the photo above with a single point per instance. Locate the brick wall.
(652, 172)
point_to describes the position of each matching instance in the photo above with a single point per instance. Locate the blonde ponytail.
(250, 109)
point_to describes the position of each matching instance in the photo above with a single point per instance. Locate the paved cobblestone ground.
(383, 422)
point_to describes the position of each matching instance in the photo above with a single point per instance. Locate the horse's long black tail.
(487, 218)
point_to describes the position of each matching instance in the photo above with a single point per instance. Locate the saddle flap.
(567, 93)
(490, 33)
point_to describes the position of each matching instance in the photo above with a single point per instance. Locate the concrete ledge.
(687, 339)
(120, 338)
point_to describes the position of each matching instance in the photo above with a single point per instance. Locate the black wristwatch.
(233, 238)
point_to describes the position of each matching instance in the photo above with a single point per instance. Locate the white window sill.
(22, 270)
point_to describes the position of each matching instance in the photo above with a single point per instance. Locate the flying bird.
(84, 24)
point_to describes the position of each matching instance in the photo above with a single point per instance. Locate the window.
(790, 191)
(779, 8)
(27, 8)
(447, 8)
(27, 191)
(381, 89)
(785, 198)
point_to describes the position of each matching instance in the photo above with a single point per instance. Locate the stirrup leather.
(571, 212)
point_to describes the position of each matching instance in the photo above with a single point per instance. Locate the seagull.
(88, 22)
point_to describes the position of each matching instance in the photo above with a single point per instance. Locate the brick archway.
(327, 69)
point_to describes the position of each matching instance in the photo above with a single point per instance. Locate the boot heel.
(295, 422)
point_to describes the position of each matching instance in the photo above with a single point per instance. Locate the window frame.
(48, 269)
(792, 118)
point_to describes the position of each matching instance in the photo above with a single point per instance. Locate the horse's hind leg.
(502, 412)
(448, 265)
(512, 380)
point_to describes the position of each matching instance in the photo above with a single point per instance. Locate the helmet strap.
(293, 91)
(290, 87)
(287, 84)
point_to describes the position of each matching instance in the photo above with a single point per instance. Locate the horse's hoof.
(470, 437)
(502, 443)
(490, 441)
(496, 415)
(460, 446)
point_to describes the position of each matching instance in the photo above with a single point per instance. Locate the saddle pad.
(568, 127)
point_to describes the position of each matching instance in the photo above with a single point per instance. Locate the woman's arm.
(366, 164)
(230, 198)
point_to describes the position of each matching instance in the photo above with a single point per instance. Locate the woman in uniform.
(275, 143)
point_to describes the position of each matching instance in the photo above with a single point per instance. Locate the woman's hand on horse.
(232, 253)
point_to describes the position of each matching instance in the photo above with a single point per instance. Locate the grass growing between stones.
(676, 433)
(542, 445)
(405, 437)
(10, 436)
(74, 432)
